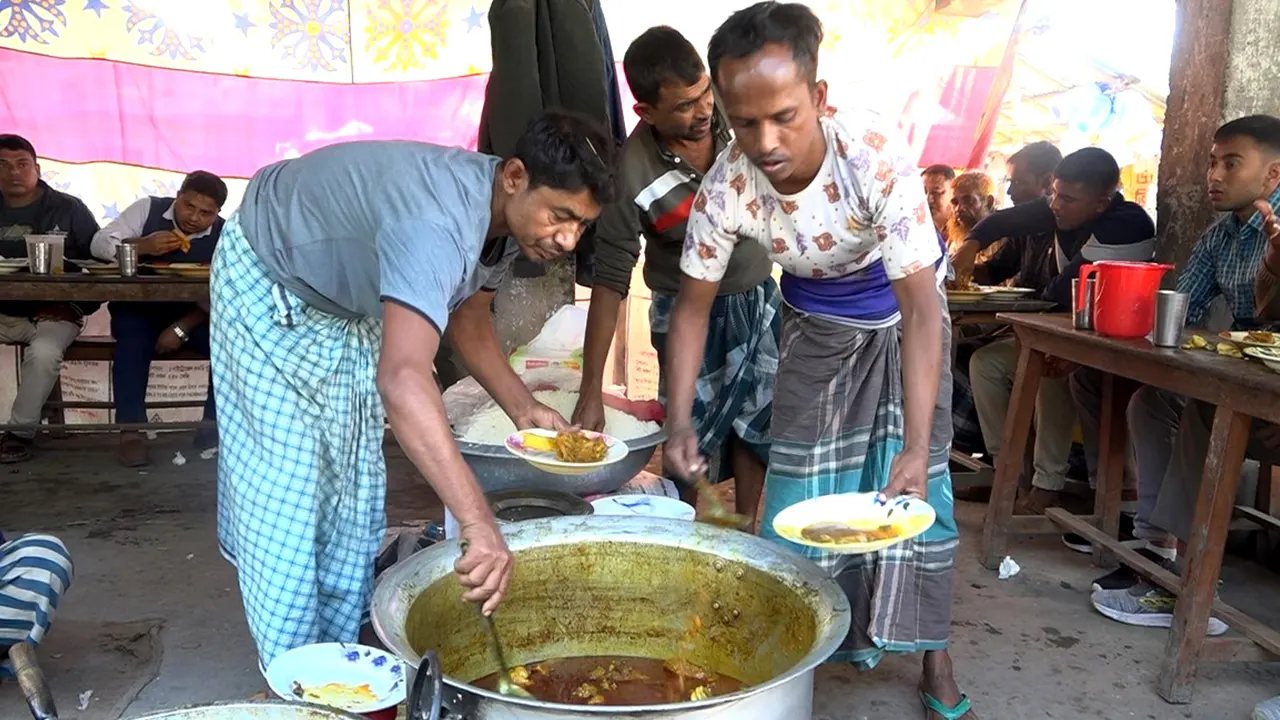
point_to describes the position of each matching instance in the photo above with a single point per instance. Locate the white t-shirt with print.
(866, 205)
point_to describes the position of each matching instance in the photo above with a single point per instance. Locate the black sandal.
(14, 449)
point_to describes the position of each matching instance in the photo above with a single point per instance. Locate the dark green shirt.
(655, 193)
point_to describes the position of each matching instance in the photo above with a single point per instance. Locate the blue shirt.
(350, 225)
(1225, 262)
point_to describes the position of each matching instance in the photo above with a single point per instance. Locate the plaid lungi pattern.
(838, 423)
(301, 475)
(35, 572)
(734, 393)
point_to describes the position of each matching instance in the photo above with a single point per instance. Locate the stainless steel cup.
(1082, 315)
(127, 257)
(1171, 316)
(40, 258)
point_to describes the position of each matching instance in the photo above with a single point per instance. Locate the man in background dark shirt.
(659, 171)
(1089, 220)
(1030, 173)
(31, 207)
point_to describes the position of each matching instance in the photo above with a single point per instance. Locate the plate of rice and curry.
(1253, 338)
(567, 452)
(854, 523)
(179, 269)
(967, 291)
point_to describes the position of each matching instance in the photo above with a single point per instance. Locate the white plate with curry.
(854, 523)
(571, 452)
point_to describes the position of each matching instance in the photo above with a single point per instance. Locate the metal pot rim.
(621, 528)
(500, 451)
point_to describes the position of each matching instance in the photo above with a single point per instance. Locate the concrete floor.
(1029, 647)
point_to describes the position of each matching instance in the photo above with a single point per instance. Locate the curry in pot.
(615, 680)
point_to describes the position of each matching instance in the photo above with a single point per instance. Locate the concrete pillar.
(1226, 64)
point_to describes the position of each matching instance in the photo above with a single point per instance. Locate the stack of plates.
(981, 293)
(96, 267)
(1010, 294)
(12, 266)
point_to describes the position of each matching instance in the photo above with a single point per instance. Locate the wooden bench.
(93, 348)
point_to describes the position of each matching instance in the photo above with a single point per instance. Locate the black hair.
(1038, 158)
(945, 171)
(792, 25)
(568, 151)
(1092, 167)
(207, 184)
(18, 143)
(1262, 129)
(660, 55)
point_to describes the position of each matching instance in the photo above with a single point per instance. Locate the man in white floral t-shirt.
(862, 395)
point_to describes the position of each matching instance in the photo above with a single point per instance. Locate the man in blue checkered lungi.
(331, 288)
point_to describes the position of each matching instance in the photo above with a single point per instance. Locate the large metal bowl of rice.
(480, 428)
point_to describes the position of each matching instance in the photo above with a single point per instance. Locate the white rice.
(492, 426)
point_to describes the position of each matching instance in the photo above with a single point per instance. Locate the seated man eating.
(185, 229)
(1089, 220)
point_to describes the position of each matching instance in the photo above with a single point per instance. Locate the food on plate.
(835, 533)
(1196, 342)
(1229, 350)
(336, 694)
(492, 426)
(963, 285)
(575, 446)
(616, 680)
(1261, 337)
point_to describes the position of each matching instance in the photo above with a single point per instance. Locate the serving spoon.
(505, 686)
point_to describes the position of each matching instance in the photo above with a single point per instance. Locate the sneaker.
(1144, 605)
(1123, 577)
(1081, 545)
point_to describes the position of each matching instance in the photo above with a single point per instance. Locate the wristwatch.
(182, 334)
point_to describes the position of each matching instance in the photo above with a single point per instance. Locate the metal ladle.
(505, 686)
(717, 513)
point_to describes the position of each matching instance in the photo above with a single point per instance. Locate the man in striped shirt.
(659, 171)
(35, 572)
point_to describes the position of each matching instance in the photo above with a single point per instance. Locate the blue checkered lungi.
(301, 475)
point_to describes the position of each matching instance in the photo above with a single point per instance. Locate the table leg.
(1113, 444)
(1204, 554)
(1013, 449)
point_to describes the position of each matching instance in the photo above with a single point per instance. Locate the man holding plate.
(862, 396)
(331, 289)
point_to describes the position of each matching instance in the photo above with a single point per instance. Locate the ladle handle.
(31, 681)
(427, 691)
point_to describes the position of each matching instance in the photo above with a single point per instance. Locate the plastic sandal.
(932, 704)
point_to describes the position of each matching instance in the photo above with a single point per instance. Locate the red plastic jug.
(1124, 301)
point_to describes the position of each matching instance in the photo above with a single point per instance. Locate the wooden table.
(102, 288)
(1240, 389)
(984, 312)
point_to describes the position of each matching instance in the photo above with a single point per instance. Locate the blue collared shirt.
(1225, 262)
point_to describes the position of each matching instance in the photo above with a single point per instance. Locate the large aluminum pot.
(497, 469)
(618, 586)
(266, 710)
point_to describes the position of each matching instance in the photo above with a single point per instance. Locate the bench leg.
(57, 416)
(1013, 450)
(1113, 443)
(1205, 546)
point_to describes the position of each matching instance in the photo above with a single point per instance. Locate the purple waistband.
(865, 295)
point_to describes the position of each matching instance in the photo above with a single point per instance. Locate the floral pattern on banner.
(403, 33)
(313, 33)
(34, 20)
(154, 32)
